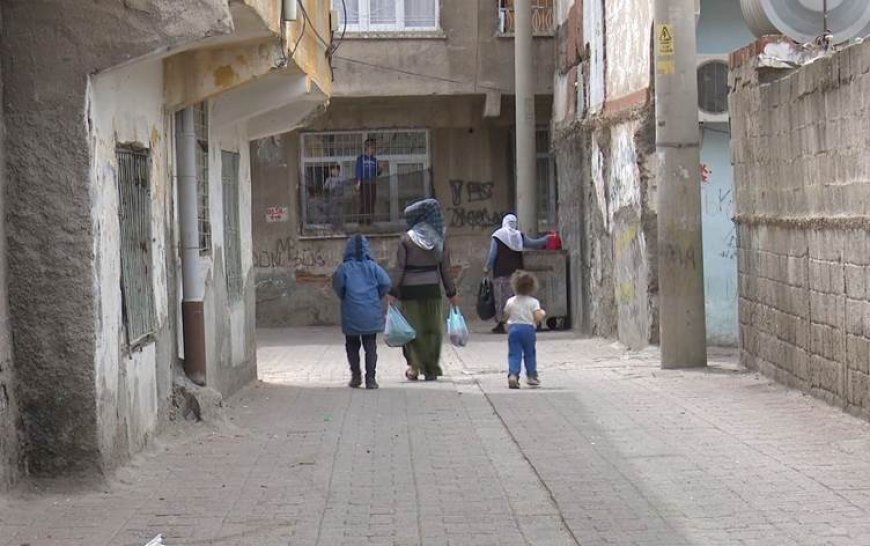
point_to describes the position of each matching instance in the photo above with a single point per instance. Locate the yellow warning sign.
(665, 39)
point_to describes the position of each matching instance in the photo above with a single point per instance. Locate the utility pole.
(683, 329)
(525, 116)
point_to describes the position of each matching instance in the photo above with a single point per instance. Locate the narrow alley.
(611, 450)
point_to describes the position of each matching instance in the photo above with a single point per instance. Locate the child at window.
(333, 187)
(361, 284)
(523, 313)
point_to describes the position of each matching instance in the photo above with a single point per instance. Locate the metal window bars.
(232, 229)
(200, 119)
(335, 205)
(543, 17)
(134, 214)
(333, 202)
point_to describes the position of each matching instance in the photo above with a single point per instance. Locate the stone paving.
(611, 450)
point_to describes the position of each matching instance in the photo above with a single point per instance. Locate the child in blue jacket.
(361, 284)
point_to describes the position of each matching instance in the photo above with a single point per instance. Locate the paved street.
(611, 450)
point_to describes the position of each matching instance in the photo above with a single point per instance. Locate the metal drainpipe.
(192, 316)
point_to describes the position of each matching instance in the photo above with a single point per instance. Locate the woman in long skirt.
(505, 257)
(422, 268)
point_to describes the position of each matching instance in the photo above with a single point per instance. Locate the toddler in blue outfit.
(523, 313)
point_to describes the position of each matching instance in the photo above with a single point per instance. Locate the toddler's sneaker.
(513, 382)
(533, 381)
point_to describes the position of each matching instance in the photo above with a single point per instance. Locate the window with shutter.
(134, 218)
(232, 224)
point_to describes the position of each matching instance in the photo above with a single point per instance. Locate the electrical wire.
(326, 44)
(418, 74)
(299, 39)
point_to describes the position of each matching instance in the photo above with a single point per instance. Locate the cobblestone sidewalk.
(612, 450)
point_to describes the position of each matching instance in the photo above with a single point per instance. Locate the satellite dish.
(804, 20)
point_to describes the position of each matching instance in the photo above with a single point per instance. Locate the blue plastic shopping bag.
(398, 331)
(457, 329)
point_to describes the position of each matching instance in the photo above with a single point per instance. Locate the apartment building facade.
(430, 83)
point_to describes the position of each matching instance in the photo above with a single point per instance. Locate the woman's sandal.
(411, 374)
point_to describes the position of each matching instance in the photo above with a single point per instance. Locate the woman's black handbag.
(485, 300)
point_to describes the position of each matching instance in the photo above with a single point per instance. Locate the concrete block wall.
(802, 182)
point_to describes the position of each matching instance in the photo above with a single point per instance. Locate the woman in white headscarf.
(504, 258)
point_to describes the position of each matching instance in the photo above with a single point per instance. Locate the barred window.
(200, 121)
(333, 201)
(388, 15)
(134, 213)
(546, 187)
(232, 230)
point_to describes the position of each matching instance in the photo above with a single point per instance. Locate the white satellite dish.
(804, 20)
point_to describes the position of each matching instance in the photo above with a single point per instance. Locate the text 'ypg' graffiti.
(470, 192)
(471, 205)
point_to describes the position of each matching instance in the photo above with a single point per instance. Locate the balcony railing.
(542, 17)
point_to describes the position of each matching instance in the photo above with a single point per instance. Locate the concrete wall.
(627, 51)
(9, 433)
(52, 190)
(293, 271)
(604, 139)
(134, 386)
(594, 33)
(126, 107)
(109, 74)
(720, 30)
(607, 219)
(231, 355)
(802, 180)
(720, 237)
(466, 57)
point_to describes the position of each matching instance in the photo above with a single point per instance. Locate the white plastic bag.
(398, 331)
(457, 329)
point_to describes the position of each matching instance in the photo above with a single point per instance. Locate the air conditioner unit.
(713, 88)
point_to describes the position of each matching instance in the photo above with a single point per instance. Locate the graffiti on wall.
(277, 214)
(720, 201)
(471, 205)
(679, 255)
(286, 254)
(470, 192)
(313, 257)
(730, 241)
